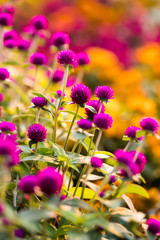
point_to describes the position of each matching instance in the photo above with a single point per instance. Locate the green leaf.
(35, 214)
(45, 151)
(140, 133)
(136, 189)
(58, 150)
(38, 158)
(80, 160)
(30, 143)
(86, 143)
(78, 135)
(71, 112)
(25, 149)
(92, 109)
(75, 202)
(103, 154)
(88, 193)
(78, 236)
(125, 138)
(74, 167)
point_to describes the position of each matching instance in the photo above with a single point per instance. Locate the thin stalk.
(128, 145)
(98, 140)
(100, 108)
(75, 146)
(79, 148)
(37, 115)
(55, 128)
(70, 179)
(51, 77)
(74, 118)
(139, 148)
(80, 75)
(79, 179)
(35, 77)
(36, 148)
(84, 185)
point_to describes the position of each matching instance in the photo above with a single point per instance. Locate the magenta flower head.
(104, 93)
(96, 105)
(59, 39)
(8, 8)
(49, 180)
(7, 127)
(39, 22)
(101, 194)
(39, 101)
(6, 19)
(12, 34)
(59, 93)
(124, 157)
(27, 184)
(83, 58)
(103, 121)
(96, 162)
(131, 132)
(4, 74)
(62, 198)
(58, 76)
(10, 43)
(1, 97)
(84, 124)
(37, 133)
(19, 233)
(149, 124)
(140, 161)
(113, 179)
(38, 59)
(23, 45)
(80, 94)
(67, 57)
(153, 225)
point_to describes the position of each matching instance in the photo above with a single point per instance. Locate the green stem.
(35, 78)
(79, 148)
(128, 145)
(80, 75)
(98, 140)
(84, 185)
(139, 148)
(75, 146)
(74, 118)
(37, 115)
(36, 148)
(55, 128)
(79, 179)
(52, 73)
(70, 179)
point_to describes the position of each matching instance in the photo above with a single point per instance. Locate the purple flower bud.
(103, 121)
(59, 93)
(23, 44)
(149, 124)
(96, 162)
(63, 197)
(49, 180)
(38, 59)
(104, 92)
(39, 101)
(84, 124)
(153, 225)
(58, 76)
(7, 127)
(3, 74)
(66, 57)
(113, 179)
(83, 58)
(37, 133)
(80, 94)
(131, 132)
(96, 105)
(39, 22)
(19, 233)
(6, 19)
(11, 43)
(59, 39)
(27, 184)
(101, 194)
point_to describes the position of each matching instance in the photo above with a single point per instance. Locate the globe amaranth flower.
(153, 225)
(39, 22)
(4, 74)
(132, 131)
(39, 101)
(38, 59)
(23, 45)
(62, 198)
(6, 19)
(104, 93)
(103, 121)
(96, 105)
(7, 127)
(27, 184)
(19, 233)
(140, 161)
(124, 157)
(7, 8)
(59, 39)
(59, 93)
(10, 43)
(101, 194)
(80, 94)
(112, 179)
(149, 124)
(83, 58)
(96, 162)
(58, 76)
(37, 133)
(67, 57)
(49, 180)
(84, 124)
(12, 34)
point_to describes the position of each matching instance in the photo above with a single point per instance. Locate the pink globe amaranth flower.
(84, 124)
(58, 76)
(12, 34)
(62, 198)
(83, 58)
(70, 81)
(132, 131)
(39, 22)
(6, 19)
(39, 101)
(59, 93)
(19, 233)
(153, 225)
(8, 8)
(103, 121)
(59, 39)
(101, 194)
(104, 93)
(96, 162)
(4, 74)
(124, 157)
(27, 184)
(96, 105)
(67, 57)
(1, 97)
(49, 180)
(7, 127)
(38, 59)
(37, 133)
(80, 94)
(10, 43)
(149, 124)
(140, 161)
(113, 179)
(23, 44)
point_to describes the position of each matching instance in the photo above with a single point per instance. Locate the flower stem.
(79, 179)
(35, 78)
(51, 77)
(37, 115)
(139, 148)
(98, 140)
(128, 145)
(80, 75)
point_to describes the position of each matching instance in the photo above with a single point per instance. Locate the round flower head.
(58, 76)
(96, 162)
(7, 127)
(3, 74)
(1, 97)
(103, 121)
(59, 93)
(124, 157)
(153, 225)
(80, 94)
(104, 92)
(23, 44)
(11, 43)
(19, 233)
(84, 124)
(39, 22)
(49, 180)
(37, 133)
(62, 198)
(149, 124)
(67, 57)
(12, 34)
(101, 194)
(8, 8)
(96, 105)
(38, 59)
(83, 58)
(140, 161)
(131, 132)
(39, 101)
(59, 39)
(113, 179)
(27, 184)
(6, 19)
